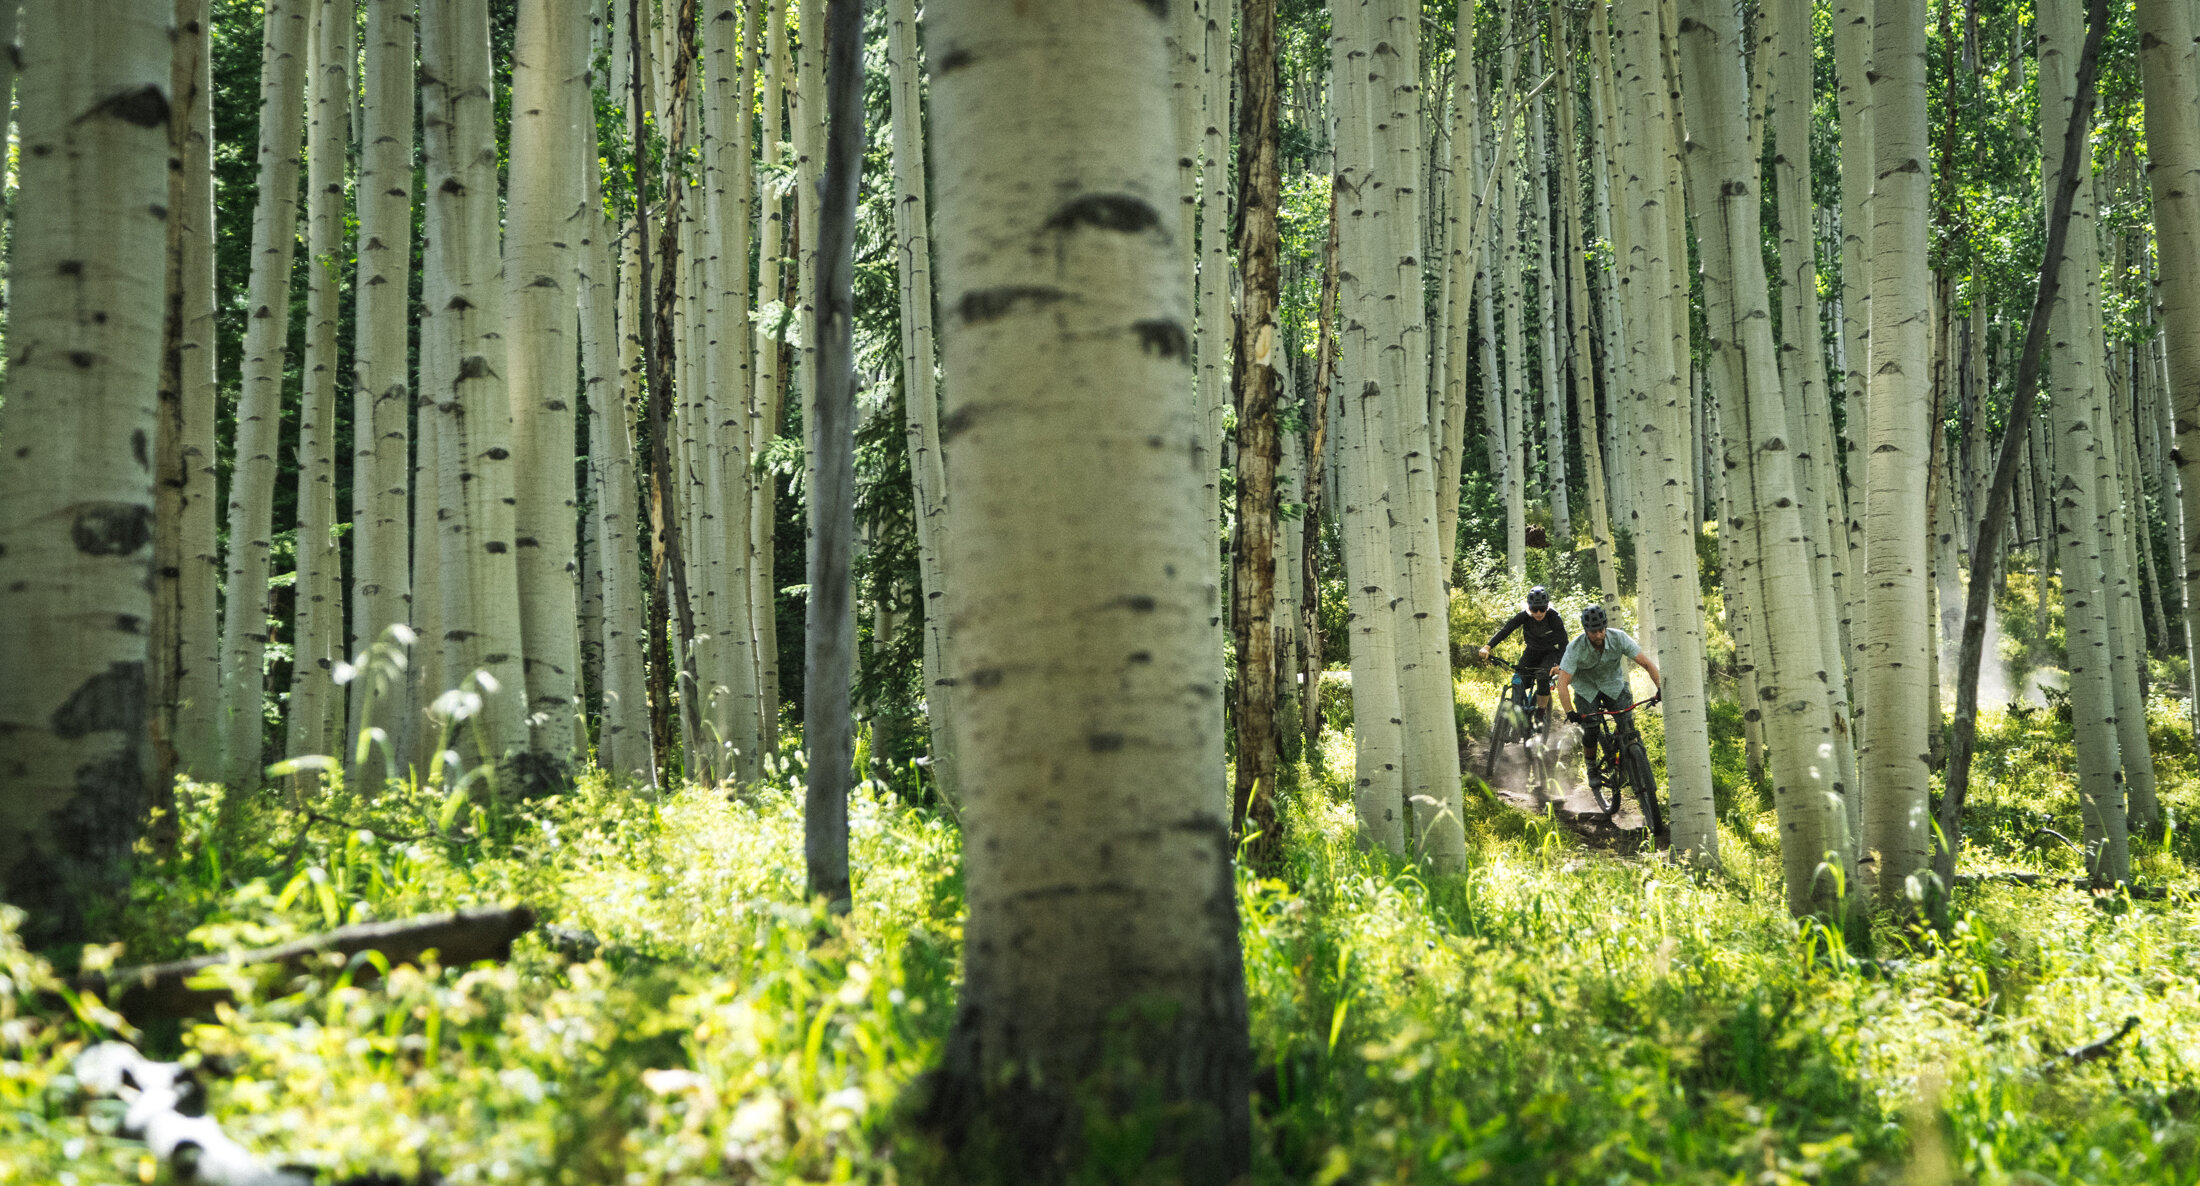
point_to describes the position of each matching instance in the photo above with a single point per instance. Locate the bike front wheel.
(1501, 728)
(1604, 781)
(1636, 765)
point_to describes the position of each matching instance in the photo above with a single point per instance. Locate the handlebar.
(1613, 712)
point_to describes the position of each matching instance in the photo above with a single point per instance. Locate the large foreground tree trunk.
(76, 477)
(1096, 852)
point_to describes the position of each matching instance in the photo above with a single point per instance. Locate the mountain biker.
(1542, 639)
(1598, 659)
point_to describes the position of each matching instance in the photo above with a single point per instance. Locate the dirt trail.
(1516, 786)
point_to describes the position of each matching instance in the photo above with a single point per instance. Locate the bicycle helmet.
(1539, 598)
(1592, 617)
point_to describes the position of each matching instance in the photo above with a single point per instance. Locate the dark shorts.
(1535, 668)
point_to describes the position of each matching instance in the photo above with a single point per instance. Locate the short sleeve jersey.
(1600, 671)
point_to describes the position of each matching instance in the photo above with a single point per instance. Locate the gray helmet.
(1539, 598)
(1592, 617)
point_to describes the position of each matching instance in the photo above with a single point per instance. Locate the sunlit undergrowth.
(1554, 1014)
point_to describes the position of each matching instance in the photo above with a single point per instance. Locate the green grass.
(1552, 1014)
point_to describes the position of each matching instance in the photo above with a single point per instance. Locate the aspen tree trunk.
(764, 404)
(428, 669)
(463, 311)
(1213, 292)
(1852, 44)
(1620, 436)
(549, 105)
(729, 132)
(186, 640)
(1796, 677)
(808, 106)
(1255, 356)
(1366, 448)
(1069, 346)
(76, 478)
(1803, 367)
(920, 390)
(1320, 476)
(1424, 646)
(2075, 376)
(259, 399)
(1577, 281)
(1892, 649)
(610, 363)
(2126, 530)
(1461, 276)
(1665, 523)
(382, 589)
(828, 729)
(1512, 395)
(1536, 166)
(2172, 85)
(318, 632)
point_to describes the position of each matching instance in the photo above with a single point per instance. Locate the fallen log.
(177, 990)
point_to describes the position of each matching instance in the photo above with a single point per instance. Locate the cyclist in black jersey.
(1543, 640)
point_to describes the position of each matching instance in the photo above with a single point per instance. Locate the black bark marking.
(1104, 743)
(495, 547)
(70, 267)
(1141, 604)
(1164, 337)
(83, 360)
(138, 448)
(955, 59)
(1160, 8)
(499, 454)
(986, 677)
(1125, 213)
(452, 185)
(140, 107)
(112, 701)
(957, 423)
(131, 623)
(111, 528)
(474, 367)
(992, 304)
(1141, 656)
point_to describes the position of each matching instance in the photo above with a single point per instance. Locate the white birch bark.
(1068, 342)
(318, 622)
(382, 589)
(1852, 43)
(1766, 517)
(611, 363)
(734, 679)
(76, 478)
(1460, 276)
(540, 360)
(259, 399)
(764, 404)
(2075, 378)
(1424, 650)
(920, 388)
(1664, 521)
(1536, 165)
(1577, 282)
(1893, 647)
(464, 314)
(1803, 371)
(2171, 73)
(196, 697)
(1366, 448)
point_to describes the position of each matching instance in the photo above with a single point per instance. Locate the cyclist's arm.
(1504, 632)
(1563, 685)
(1650, 665)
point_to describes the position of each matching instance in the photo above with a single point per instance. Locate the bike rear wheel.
(1636, 765)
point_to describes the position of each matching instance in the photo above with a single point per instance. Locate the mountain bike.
(1518, 721)
(1620, 765)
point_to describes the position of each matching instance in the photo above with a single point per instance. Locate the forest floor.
(1561, 1011)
